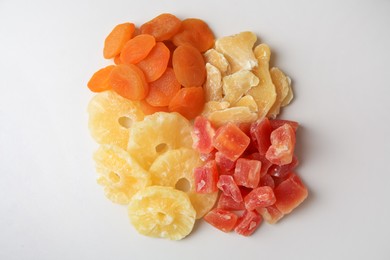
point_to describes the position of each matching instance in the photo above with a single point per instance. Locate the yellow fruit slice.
(290, 94)
(212, 106)
(264, 93)
(237, 84)
(217, 59)
(235, 115)
(213, 84)
(282, 88)
(120, 175)
(238, 50)
(175, 169)
(162, 212)
(157, 134)
(110, 117)
(247, 101)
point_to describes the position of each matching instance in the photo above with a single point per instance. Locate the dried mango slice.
(218, 60)
(290, 94)
(213, 84)
(247, 101)
(264, 93)
(237, 84)
(281, 87)
(175, 169)
(232, 114)
(119, 173)
(162, 212)
(238, 50)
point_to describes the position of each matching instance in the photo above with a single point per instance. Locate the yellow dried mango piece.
(213, 84)
(282, 88)
(237, 84)
(290, 94)
(212, 106)
(232, 114)
(247, 101)
(264, 93)
(218, 60)
(238, 50)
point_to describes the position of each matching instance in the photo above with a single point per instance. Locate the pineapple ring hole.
(164, 218)
(114, 177)
(125, 121)
(183, 184)
(161, 148)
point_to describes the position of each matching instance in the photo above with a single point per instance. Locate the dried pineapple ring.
(163, 212)
(110, 115)
(264, 93)
(238, 50)
(175, 169)
(237, 84)
(156, 134)
(217, 59)
(213, 84)
(282, 88)
(120, 175)
(290, 94)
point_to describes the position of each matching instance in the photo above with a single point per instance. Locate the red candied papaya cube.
(248, 223)
(276, 123)
(282, 146)
(271, 214)
(259, 197)
(206, 178)
(202, 135)
(222, 219)
(228, 203)
(224, 164)
(267, 180)
(260, 133)
(265, 164)
(290, 193)
(280, 171)
(231, 141)
(227, 185)
(247, 172)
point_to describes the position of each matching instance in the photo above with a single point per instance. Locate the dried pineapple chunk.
(120, 175)
(110, 115)
(213, 84)
(282, 88)
(218, 60)
(175, 169)
(232, 114)
(247, 101)
(156, 134)
(162, 212)
(264, 93)
(212, 106)
(237, 84)
(238, 50)
(290, 94)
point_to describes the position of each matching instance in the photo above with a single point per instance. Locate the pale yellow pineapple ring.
(120, 175)
(164, 212)
(175, 169)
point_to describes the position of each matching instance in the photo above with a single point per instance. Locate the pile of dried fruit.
(187, 130)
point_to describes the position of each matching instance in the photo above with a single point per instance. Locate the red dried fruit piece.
(231, 141)
(202, 135)
(259, 197)
(270, 214)
(224, 164)
(222, 219)
(280, 171)
(227, 185)
(260, 134)
(247, 172)
(276, 123)
(248, 223)
(282, 146)
(265, 164)
(206, 178)
(228, 203)
(267, 180)
(290, 193)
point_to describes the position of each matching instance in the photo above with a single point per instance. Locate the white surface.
(336, 52)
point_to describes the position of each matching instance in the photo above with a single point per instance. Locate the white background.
(336, 52)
